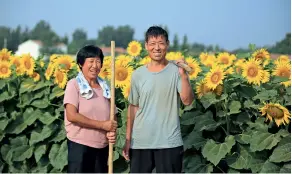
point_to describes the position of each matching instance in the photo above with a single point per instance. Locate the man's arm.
(130, 120)
(186, 94)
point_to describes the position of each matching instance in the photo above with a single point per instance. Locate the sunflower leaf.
(194, 139)
(27, 85)
(263, 140)
(286, 168)
(270, 167)
(234, 107)
(282, 153)
(40, 103)
(196, 164)
(56, 92)
(241, 159)
(58, 155)
(214, 152)
(265, 95)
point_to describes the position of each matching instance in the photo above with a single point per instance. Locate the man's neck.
(155, 66)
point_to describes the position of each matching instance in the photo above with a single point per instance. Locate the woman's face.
(91, 67)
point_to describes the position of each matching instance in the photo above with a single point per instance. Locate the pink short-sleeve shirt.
(96, 108)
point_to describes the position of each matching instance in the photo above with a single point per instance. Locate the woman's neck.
(92, 82)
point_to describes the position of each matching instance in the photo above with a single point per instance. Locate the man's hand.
(182, 72)
(126, 150)
(111, 136)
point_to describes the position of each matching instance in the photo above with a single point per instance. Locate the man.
(153, 137)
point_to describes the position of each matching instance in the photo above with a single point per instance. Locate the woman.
(87, 115)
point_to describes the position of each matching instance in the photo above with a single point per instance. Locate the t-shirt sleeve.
(134, 92)
(179, 84)
(71, 95)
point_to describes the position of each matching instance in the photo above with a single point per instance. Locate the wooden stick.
(112, 112)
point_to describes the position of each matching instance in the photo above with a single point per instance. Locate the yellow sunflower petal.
(28, 64)
(252, 71)
(5, 70)
(134, 48)
(5, 55)
(215, 77)
(195, 66)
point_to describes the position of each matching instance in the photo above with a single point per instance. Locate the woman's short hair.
(89, 51)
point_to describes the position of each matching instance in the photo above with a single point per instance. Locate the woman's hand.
(111, 136)
(110, 125)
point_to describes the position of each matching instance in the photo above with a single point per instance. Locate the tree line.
(10, 38)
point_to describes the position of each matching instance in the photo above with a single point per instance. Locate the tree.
(185, 45)
(175, 46)
(282, 47)
(79, 39)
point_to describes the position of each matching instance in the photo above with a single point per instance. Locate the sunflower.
(261, 55)
(239, 65)
(230, 70)
(5, 55)
(174, 56)
(28, 64)
(215, 77)
(283, 69)
(145, 60)
(60, 78)
(65, 62)
(123, 60)
(49, 71)
(266, 76)
(106, 66)
(277, 112)
(282, 58)
(211, 61)
(252, 71)
(54, 57)
(287, 83)
(202, 89)
(36, 76)
(42, 63)
(203, 57)
(16, 60)
(195, 66)
(126, 90)
(122, 75)
(218, 90)
(5, 70)
(226, 59)
(134, 48)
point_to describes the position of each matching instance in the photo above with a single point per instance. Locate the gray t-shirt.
(156, 123)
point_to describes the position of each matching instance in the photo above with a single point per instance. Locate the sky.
(229, 23)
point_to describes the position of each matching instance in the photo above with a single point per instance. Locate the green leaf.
(265, 95)
(40, 85)
(58, 155)
(26, 85)
(258, 160)
(37, 136)
(40, 103)
(286, 168)
(5, 96)
(2, 135)
(196, 164)
(47, 118)
(250, 104)
(282, 153)
(234, 107)
(2, 83)
(206, 122)
(283, 133)
(18, 141)
(241, 159)
(31, 116)
(25, 99)
(58, 136)
(270, 167)
(208, 99)
(116, 156)
(188, 118)
(246, 91)
(41, 93)
(263, 140)
(278, 79)
(39, 152)
(240, 118)
(56, 92)
(6, 153)
(16, 126)
(194, 139)
(22, 152)
(121, 136)
(214, 152)
(4, 120)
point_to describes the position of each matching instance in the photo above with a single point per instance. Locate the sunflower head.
(64, 62)
(36, 76)
(195, 66)
(123, 60)
(266, 76)
(282, 58)
(276, 112)
(218, 90)
(122, 75)
(106, 66)
(261, 55)
(60, 78)
(126, 90)
(252, 71)
(174, 56)
(54, 57)
(134, 48)
(5, 70)
(202, 89)
(28, 64)
(145, 60)
(42, 63)
(230, 70)
(215, 77)
(5, 55)
(211, 61)
(282, 69)
(203, 57)
(225, 59)
(49, 71)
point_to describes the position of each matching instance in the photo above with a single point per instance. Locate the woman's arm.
(79, 119)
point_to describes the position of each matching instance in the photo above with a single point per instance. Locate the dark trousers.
(168, 160)
(85, 159)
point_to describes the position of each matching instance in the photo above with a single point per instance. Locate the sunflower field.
(239, 121)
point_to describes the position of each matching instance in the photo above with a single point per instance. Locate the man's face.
(157, 47)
